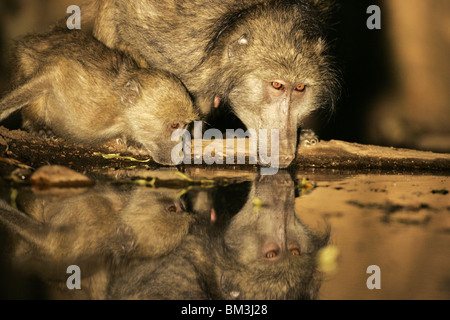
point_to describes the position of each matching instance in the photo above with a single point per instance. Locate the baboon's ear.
(130, 92)
(228, 288)
(239, 46)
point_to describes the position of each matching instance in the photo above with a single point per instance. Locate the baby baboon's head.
(157, 104)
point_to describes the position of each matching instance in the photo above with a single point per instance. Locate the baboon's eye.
(277, 85)
(271, 254)
(172, 208)
(295, 252)
(301, 88)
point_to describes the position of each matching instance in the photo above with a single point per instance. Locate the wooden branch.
(33, 151)
(336, 154)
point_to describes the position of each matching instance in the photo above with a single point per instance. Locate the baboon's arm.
(28, 92)
(28, 228)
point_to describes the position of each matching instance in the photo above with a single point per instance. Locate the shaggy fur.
(80, 90)
(230, 52)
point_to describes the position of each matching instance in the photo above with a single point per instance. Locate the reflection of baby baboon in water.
(162, 252)
(101, 222)
(84, 92)
(99, 229)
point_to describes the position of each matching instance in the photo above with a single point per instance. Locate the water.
(230, 234)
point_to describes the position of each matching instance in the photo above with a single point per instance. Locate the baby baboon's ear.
(239, 46)
(130, 92)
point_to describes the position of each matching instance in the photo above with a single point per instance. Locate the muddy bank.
(20, 149)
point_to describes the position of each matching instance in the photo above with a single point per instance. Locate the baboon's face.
(274, 231)
(157, 106)
(281, 73)
(274, 251)
(157, 139)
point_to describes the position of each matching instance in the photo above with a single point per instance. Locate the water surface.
(234, 235)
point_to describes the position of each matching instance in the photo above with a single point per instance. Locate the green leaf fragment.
(119, 157)
(327, 259)
(257, 204)
(185, 177)
(14, 193)
(306, 186)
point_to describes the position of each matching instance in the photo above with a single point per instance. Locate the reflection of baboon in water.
(101, 222)
(80, 90)
(99, 230)
(258, 253)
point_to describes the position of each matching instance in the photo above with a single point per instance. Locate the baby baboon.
(80, 90)
(267, 60)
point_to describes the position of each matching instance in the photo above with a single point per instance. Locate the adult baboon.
(267, 60)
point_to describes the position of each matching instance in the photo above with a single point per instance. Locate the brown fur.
(101, 222)
(86, 93)
(229, 261)
(231, 51)
(163, 248)
(100, 230)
